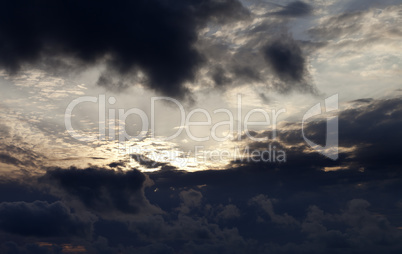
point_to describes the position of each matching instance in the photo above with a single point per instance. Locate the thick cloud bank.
(154, 37)
(252, 207)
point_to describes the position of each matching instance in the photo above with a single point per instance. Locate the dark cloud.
(264, 98)
(190, 199)
(291, 210)
(357, 227)
(371, 129)
(280, 64)
(377, 140)
(32, 248)
(370, 163)
(156, 37)
(5, 158)
(102, 191)
(26, 161)
(117, 164)
(285, 58)
(20, 190)
(219, 76)
(247, 73)
(41, 219)
(190, 234)
(228, 212)
(223, 77)
(363, 100)
(147, 162)
(18, 156)
(266, 204)
(258, 207)
(373, 143)
(254, 207)
(296, 9)
(279, 61)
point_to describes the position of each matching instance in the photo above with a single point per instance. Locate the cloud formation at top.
(153, 37)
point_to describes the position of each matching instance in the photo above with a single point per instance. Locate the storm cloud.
(102, 191)
(285, 58)
(155, 38)
(42, 219)
(59, 195)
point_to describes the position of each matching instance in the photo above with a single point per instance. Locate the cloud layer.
(156, 38)
(292, 207)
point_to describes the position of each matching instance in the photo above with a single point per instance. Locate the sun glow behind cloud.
(34, 101)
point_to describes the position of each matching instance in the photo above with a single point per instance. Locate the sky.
(201, 126)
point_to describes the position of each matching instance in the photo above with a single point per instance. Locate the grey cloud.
(191, 197)
(338, 26)
(266, 204)
(41, 219)
(156, 38)
(196, 234)
(259, 52)
(220, 77)
(363, 100)
(296, 9)
(286, 60)
(278, 61)
(375, 142)
(5, 158)
(357, 227)
(27, 158)
(229, 212)
(102, 191)
(147, 162)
